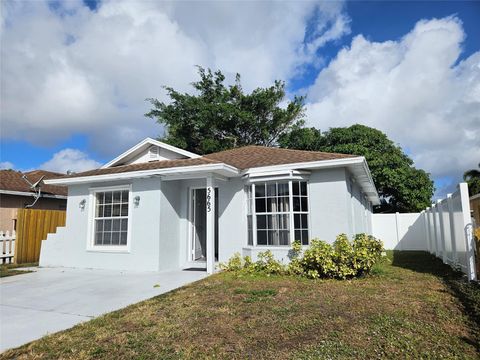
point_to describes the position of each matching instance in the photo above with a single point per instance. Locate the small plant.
(267, 264)
(235, 263)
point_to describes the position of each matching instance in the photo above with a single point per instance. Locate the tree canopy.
(472, 177)
(401, 186)
(219, 117)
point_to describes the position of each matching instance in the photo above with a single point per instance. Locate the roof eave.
(220, 168)
(365, 181)
(25, 193)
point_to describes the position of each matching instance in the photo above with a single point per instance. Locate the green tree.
(401, 186)
(219, 117)
(472, 177)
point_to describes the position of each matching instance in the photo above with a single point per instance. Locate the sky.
(75, 74)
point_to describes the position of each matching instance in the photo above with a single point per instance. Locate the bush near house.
(343, 259)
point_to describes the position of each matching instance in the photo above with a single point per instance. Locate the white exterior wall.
(333, 210)
(68, 247)
(160, 226)
(360, 211)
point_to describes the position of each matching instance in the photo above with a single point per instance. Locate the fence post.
(427, 232)
(452, 228)
(442, 231)
(431, 229)
(435, 228)
(396, 228)
(468, 231)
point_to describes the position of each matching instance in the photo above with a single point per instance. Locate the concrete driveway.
(52, 299)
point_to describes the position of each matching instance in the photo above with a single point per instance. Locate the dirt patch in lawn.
(409, 308)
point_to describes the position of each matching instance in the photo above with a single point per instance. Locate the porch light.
(82, 203)
(136, 201)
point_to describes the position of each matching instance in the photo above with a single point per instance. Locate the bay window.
(277, 213)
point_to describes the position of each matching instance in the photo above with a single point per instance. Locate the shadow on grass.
(468, 293)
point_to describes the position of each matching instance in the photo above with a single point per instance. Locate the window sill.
(122, 250)
(271, 247)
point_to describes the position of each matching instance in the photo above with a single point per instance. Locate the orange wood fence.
(33, 227)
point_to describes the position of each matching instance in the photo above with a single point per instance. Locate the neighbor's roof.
(11, 180)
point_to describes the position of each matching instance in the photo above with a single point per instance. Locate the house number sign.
(209, 199)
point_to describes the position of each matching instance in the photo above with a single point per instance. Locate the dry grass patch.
(411, 307)
(15, 269)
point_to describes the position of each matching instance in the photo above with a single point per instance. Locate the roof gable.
(149, 150)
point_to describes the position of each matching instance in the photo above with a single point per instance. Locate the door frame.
(191, 224)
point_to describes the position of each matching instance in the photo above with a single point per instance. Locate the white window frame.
(291, 212)
(91, 221)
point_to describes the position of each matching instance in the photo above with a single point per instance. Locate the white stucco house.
(157, 207)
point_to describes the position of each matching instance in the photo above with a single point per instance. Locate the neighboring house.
(157, 207)
(475, 208)
(16, 193)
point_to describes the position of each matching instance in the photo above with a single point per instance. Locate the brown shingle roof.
(257, 156)
(241, 158)
(11, 180)
(163, 164)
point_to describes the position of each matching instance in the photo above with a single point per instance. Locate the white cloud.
(71, 70)
(70, 159)
(5, 165)
(413, 89)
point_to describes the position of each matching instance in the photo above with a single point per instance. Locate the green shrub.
(317, 260)
(367, 251)
(341, 260)
(344, 257)
(267, 264)
(235, 263)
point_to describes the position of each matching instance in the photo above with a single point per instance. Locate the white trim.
(154, 142)
(91, 247)
(365, 179)
(362, 174)
(24, 193)
(146, 173)
(291, 212)
(277, 175)
(305, 165)
(191, 227)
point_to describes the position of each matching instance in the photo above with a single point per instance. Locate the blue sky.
(99, 111)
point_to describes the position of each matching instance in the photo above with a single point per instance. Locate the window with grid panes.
(275, 209)
(111, 218)
(300, 211)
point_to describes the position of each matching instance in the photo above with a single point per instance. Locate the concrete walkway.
(52, 299)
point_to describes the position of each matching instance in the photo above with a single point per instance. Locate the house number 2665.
(209, 198)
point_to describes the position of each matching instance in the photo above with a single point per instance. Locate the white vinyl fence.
(7, 247)
(445, 229)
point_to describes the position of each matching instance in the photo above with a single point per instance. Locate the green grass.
(15, 269)
(412, 306)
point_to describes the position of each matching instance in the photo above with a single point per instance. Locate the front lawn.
(412, 306)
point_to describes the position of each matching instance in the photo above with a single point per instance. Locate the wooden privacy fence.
(33, 227)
